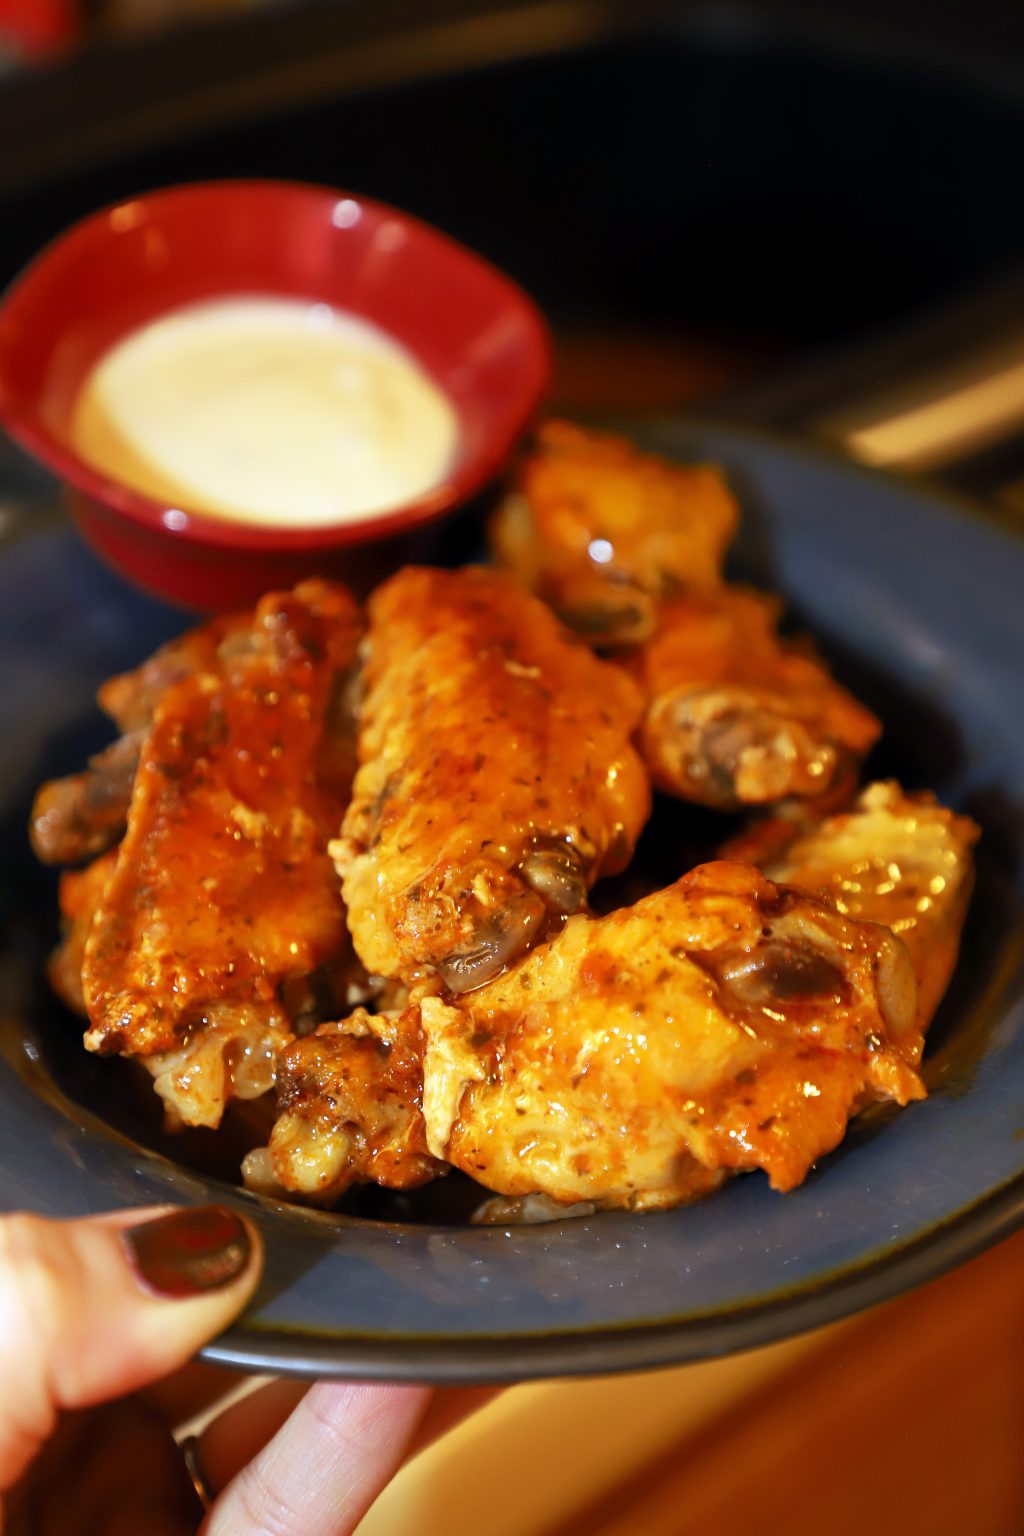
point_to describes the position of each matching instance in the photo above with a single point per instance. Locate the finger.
(320, 1473)
(231, 1440)
(240, 1432)
(93, 1309)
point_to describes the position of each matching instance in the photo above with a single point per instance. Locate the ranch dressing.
(266, 410)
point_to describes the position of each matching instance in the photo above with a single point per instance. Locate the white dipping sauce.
(266, 410)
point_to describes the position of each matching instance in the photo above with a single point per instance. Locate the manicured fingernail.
(190, 1252)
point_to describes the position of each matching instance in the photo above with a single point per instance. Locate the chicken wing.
(735, 716)
(497, 779)
(632, 1061)
(80, 816)
(893, 858)
(602, 532)
(350, 1100)
(221, 920)
(722, 1024)
(81, 891)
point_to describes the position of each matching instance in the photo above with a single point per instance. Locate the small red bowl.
(476, 333)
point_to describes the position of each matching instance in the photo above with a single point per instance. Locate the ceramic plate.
(920, 604)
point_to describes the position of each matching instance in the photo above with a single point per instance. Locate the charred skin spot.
(611, 621)
(498, 939)
(112, 1044)
(778, 973)
(83, 815)
(775, 973)
(375, 812)
(556, 875)
(549, 884)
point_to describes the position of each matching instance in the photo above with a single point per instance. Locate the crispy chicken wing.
(221, 919)
(81, 891)
(497, 779)
(722, 1024)
(602, 532)
(80, 816)
(131, 698)
(893, 858)
(737, 717)
(77, 817)
(632, 1061)
(350, 1102)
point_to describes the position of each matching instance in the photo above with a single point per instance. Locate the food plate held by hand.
(467, 1303)
(631, 1062)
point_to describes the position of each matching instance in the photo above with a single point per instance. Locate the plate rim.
(486, 1359)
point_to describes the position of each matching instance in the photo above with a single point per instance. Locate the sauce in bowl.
(266, 410)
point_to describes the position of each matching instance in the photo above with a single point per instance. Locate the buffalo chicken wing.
(350, 1100)
(894, 858)
(217, 924)
(603, 533)
(632, 1061)
(737, 717)
(80, 816)
(722, 1024)
(497, 778)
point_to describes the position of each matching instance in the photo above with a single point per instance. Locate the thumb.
(93, 1309)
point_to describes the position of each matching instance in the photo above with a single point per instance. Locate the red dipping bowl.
(473, 330)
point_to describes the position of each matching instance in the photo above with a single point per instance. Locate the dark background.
(699, 195)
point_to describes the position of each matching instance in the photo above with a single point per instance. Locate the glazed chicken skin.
(217, 924)
(497, 778)
(628, 549)
(894, 858)
(735, 716)
(80, 816)
(633, 1061)
(723, 1024)
(602, 532)
(81, 891)
(350, 1110)
(83, 815)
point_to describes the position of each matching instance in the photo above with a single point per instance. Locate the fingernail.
(190, 1252)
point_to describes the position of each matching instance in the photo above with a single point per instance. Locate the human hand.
(97, 1319)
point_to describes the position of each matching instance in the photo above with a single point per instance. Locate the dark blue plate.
(921, 605)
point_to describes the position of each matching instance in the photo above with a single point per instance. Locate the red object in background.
(39, 26)
(475, 332)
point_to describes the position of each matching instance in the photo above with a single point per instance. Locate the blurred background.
(806, 216)
(803, 212)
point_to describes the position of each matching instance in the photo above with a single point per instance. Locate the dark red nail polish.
(190, 1252)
